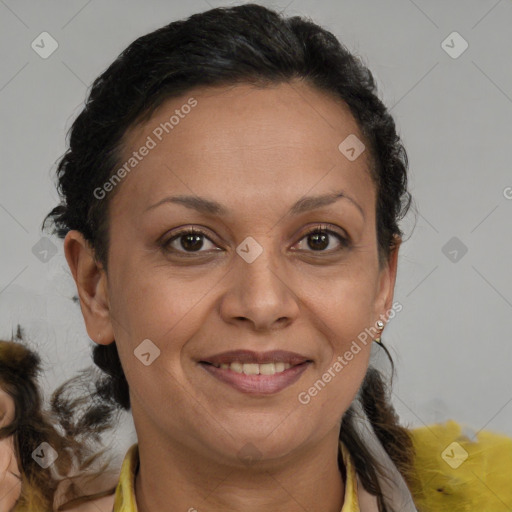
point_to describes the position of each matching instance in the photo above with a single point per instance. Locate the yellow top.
(125, 495)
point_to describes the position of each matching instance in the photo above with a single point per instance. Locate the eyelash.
(344, 242)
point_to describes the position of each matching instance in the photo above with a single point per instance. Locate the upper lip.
(248, 356)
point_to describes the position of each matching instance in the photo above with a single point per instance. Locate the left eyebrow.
(310, 203)
(208, 206)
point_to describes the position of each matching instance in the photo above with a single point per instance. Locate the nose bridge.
(258, 291)
(257, 267)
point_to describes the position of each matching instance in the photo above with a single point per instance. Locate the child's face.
(10, 483)
(254, 282)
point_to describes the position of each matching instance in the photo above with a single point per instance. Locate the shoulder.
(457, 467)
(103, 504)
(83, 493)
(99, 493)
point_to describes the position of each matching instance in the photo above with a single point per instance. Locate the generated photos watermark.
(158, 133)
(342, 361)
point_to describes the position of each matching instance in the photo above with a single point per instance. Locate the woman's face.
(10, 483)
(246, 167)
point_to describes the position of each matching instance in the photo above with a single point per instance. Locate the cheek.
(149, 300)
(154, 311)
(341, 309)
(340, 304)
(10, 486)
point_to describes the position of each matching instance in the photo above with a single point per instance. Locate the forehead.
(248, 141)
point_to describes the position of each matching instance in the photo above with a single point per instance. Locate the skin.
(10, 483)
(256, 151)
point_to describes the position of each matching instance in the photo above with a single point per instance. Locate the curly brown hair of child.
(71, 426)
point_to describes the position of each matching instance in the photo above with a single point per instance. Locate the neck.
(175, 478)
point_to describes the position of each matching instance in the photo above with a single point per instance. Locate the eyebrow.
(208, 206)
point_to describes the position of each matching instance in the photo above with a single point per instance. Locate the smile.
(254, 368)
(258, 379)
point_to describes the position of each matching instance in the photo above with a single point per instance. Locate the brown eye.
(187, 241)
(318, 241)
(322, 240)
(191, 242)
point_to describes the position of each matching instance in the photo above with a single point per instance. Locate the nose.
(260, 294)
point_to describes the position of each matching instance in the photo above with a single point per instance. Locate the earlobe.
(91, 283)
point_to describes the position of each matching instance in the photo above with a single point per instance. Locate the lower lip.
(257, 384)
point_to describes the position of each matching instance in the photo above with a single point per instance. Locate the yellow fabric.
(125, 495)
(459, 472)
(124, 500)
(351, 503)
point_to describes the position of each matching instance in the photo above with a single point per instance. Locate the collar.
(124, 500)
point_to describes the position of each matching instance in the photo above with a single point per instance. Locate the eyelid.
(330, 228)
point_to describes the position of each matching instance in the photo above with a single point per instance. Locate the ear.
(91, 283)
(387, 279)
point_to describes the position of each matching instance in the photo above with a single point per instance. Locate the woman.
(230, 205)
(231, 197)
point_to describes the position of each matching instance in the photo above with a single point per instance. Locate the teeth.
(255, 369)
(280, 367)
(237, 367)
(251, 369)
(267, 369)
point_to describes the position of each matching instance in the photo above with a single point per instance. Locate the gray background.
(451, 341)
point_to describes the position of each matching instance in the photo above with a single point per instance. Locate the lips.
(256, 373)
(248, 356)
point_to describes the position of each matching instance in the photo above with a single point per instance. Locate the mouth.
(257, 373)
(253, 368)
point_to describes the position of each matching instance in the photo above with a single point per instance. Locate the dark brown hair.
(226, 46)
